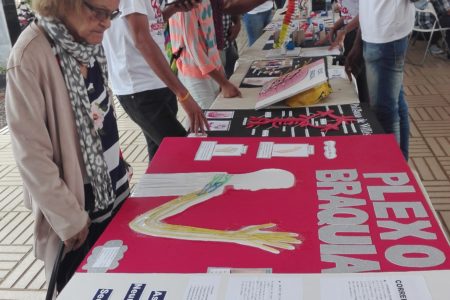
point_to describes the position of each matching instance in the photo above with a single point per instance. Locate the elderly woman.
(64, 133)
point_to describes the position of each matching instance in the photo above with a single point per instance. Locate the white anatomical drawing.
(260, 236)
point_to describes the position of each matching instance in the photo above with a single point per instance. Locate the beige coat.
(45, 143)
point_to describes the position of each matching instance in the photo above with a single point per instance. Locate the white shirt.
(129, 73)
(268, 5)
(384, 21)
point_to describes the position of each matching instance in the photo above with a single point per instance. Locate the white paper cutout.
(258, 236)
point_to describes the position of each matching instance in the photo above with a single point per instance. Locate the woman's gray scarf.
(71, 54)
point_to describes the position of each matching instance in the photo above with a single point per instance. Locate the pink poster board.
(355, 206)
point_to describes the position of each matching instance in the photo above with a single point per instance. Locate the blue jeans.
(155, 111)
(384, 68)
(255, 23)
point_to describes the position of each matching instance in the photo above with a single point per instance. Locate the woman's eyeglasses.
(102, 14)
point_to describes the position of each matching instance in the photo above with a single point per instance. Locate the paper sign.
(219, 114)
(269, 150)
(205, 151)
(106, 257)
(264, 288)
(202, 288)
(209, 149)
(400, 287)
(219, 125)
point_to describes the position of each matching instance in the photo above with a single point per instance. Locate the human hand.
(197, 120)
(229, 90)
(78, 239)
(256, 236)
(339, 41)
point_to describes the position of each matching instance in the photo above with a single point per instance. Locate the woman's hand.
(197, 120)
(78, 239)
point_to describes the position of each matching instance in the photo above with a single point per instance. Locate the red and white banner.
(353, 203)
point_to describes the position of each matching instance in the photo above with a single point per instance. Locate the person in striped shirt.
(199, 66)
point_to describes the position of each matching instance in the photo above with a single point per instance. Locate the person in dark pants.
(231, 28)
(155, 111)
(140, 74)
(360, 73)
(343, 34)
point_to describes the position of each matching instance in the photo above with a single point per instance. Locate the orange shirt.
(194, 32)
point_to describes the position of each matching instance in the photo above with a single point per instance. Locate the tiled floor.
(428, 93)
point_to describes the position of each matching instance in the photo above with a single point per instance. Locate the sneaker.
(435, 50)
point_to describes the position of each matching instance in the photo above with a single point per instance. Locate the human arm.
(78, 239)
(339, 41)
(229, 90)
(354, 57)
(143, 41)
(42, 177)
(200, 47)
(236, 7)
(330, 36)
(235, 28)
(338, 25)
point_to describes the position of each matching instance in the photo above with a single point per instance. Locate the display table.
(344, 91)
(286, 205)
(431, 285)
(285, 211)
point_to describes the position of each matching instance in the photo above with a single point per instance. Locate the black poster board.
(262, 71)
(307, 43)
(333, 120)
